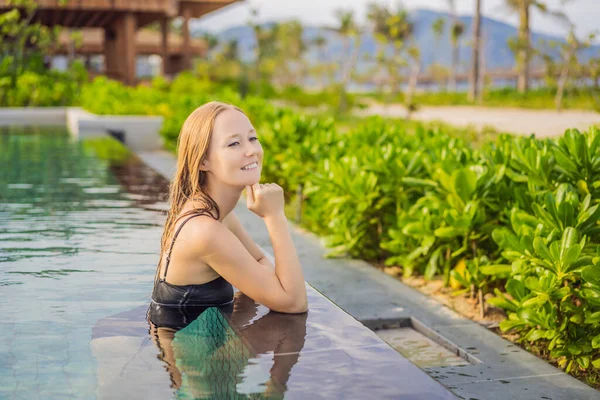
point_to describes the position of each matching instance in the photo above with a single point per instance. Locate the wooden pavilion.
(147, 42)
(119, 21)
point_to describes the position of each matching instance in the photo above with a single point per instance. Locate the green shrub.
(47, 88)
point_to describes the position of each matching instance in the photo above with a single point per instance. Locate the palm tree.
(256, 28)
(212, 41)
(456, 32)
(395, 29)
(291, 48)
(570, 51)
(231, 50)
(320, 42)
(438, 28)
(266, 45)
(350, 31)
(524, 50)
(415, 56)
(594, 71)
(474, 93)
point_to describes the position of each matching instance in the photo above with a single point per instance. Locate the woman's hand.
(265, 200)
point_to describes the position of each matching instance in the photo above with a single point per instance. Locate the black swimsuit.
(215, 293)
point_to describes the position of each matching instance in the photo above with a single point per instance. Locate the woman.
(219, 155)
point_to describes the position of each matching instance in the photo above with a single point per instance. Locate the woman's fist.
(265, 199)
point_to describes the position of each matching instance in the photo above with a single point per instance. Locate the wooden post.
(119, 49)
(129, 30)
(111, 52)
(187, 59)
(164, 51)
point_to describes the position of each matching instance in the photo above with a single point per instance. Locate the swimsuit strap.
(175, 237)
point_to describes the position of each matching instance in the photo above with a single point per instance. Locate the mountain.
(496, 35)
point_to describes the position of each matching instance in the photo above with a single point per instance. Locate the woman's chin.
(250, 178)
(250, 182)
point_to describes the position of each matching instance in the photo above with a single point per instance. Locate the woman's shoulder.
(202, 228)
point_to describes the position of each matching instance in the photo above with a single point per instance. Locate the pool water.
(79, 236)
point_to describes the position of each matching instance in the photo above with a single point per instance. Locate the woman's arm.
(287, 265)
(281, 289)
(265, 261)
(232, 222)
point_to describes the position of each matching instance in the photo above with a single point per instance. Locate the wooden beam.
(55, 17)
(200, 8)
(68, 19)
(81, 18)
(107, 18)
(92, 22)
(161, 6)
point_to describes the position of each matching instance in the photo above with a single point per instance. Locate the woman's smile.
(254, 165)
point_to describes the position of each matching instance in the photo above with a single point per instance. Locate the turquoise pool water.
(79, 237)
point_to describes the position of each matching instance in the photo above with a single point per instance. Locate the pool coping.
(139, 133)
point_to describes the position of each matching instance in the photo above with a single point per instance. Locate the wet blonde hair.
(189, 182)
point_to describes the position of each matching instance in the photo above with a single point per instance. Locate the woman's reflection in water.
(206, 350)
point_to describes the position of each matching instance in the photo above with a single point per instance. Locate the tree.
(320, 42)
(457, 29)
(212, 41)
(395, 30)
(414, 55)
(290, 51)
(547, 52)
(474, 93)
(522, 46)
(570, 61)
(438, 28)
(265, 48)
(23, 43)
(593, 69)
(350, 31)
(439, 73)
(229, 65)
(231, 50)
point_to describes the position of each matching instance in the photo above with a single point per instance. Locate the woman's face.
(234, 145)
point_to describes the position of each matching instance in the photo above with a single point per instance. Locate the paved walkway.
(543, 123)
(498, 369)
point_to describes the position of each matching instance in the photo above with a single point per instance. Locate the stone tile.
(324, 327)
(551, 387)
(490, 348)
(361, 373)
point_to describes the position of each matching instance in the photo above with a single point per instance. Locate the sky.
(585, 13)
